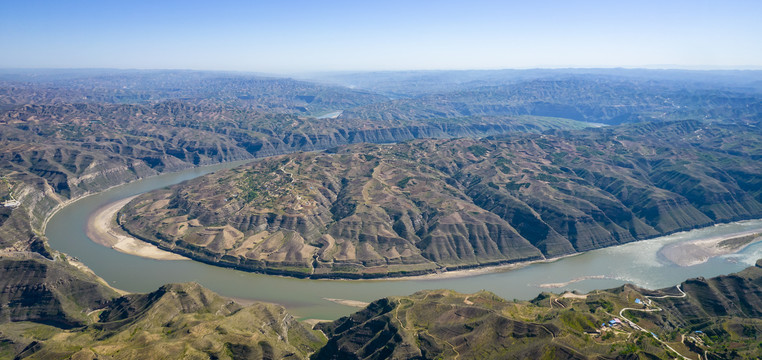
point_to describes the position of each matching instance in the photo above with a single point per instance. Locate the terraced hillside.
(428, 205)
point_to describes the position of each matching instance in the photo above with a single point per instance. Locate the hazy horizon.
(308, 37)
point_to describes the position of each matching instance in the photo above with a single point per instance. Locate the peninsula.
(425, 206)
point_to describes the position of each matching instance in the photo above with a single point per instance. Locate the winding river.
(636, 263)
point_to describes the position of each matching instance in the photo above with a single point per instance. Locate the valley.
(596, 269)
(467, 171)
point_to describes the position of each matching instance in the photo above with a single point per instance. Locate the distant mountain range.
(408, 84)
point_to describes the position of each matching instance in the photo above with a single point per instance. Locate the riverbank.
(696, 252)
(476, 271)
(102, 229)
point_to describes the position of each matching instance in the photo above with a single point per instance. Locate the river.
(636, 263)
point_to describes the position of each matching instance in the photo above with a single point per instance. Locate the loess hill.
(177, 321)
(430, 205)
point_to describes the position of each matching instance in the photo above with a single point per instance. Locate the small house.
(13, 203)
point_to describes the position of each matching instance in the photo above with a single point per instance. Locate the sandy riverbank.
(696, 252)
(102, 228)
(461, 273)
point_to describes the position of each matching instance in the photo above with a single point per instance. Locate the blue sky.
(297, 36)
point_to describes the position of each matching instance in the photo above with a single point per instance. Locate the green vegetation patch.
(478, 150)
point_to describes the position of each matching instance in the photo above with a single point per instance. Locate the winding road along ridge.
(637, 327)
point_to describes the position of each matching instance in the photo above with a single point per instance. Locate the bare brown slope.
(415, 207)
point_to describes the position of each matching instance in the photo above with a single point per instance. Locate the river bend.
(637, 263)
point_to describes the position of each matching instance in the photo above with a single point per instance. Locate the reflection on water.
(636, 263)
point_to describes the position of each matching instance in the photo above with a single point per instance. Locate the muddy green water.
(636, 263)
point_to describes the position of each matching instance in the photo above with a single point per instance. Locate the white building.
(11, 203)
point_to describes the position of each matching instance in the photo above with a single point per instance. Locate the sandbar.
(694, 252)
(469, 272)
(572, 281)
(102, 229)
(352, 303)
